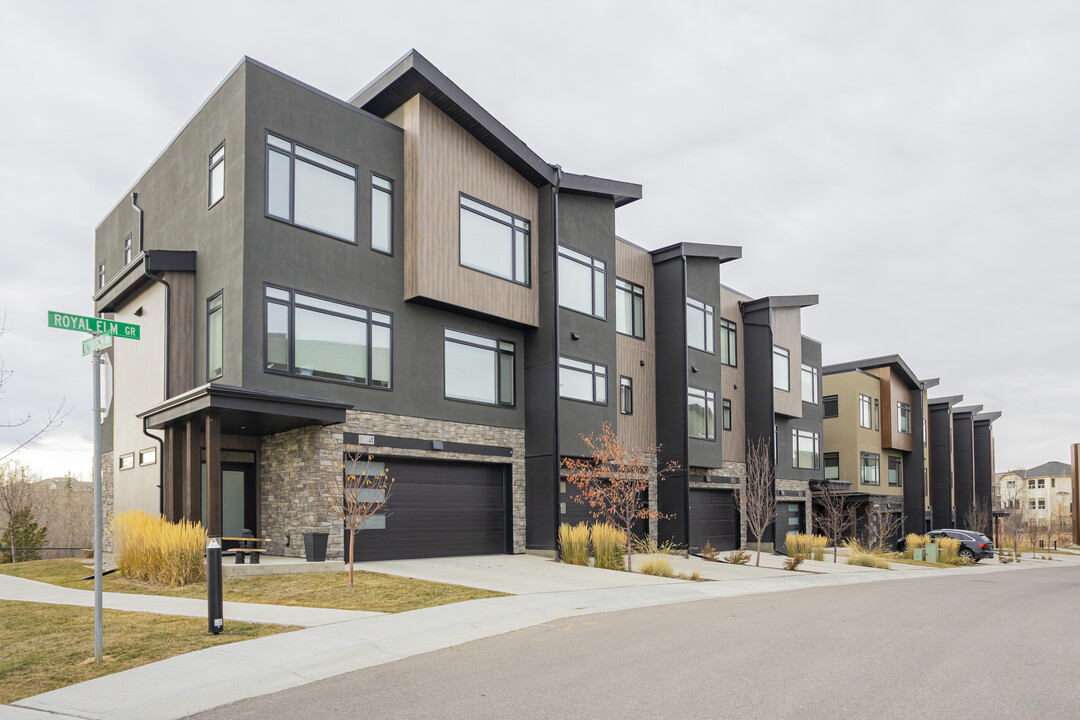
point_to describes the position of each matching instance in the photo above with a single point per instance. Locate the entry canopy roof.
(246, 412)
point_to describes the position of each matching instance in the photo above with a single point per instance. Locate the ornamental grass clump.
(818, 543)
(949, 549)
(658, 566)
(868, 560)
(151, 549)
(609, 546)
(797, 544)
(574, 543)
(912, 542)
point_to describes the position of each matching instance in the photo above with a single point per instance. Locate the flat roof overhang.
(246, 412)
(138, 273)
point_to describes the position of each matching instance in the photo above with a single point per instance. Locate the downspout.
(134, 200)
(686, 418)
(556, 458)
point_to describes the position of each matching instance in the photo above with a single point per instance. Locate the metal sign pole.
(96, 364)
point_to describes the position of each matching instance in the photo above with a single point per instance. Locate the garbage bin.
(315, 545)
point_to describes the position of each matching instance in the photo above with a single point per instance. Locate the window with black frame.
(315, 337)
(215, 180)
(310, 189)
(477, 368)
(729, 342)
(832, 466)
(214, 337)
(700, 319)
(127, 250)
(582, 283)
(805, 449)
(781, 368)
(629, 309)
(626, 395)
(493, 241)
(725, 414)
(382, 213)
(895, 471)
(870, 468)
(583, 381)
(866, 413)
(830, 406)
(809, 384)
(903, 416)
(701, 413)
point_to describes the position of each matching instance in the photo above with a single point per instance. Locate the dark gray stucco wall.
(811, 420)
(984, 468)
(703, 283)
(914, 477)
(963, 464)
(294, 257)
(671, 368)
(758, 376)
(941, 481)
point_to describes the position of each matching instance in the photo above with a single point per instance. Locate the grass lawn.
(51, 646)
(371, 591)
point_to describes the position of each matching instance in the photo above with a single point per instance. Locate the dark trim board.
(402, 443)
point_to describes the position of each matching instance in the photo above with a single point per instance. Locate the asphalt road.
(1000, 645)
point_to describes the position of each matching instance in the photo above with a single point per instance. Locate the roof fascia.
(723, 253)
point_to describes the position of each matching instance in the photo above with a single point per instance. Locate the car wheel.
(967, 553)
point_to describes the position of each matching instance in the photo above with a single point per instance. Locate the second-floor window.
(584, 381)
(700, 319)
(319, 338)
(903, 416)
(809, 384)
(477, 368)
(781, 368)
(493, 241)
(725, 414)
(832, 466)
(729, 342)
(830, 406)
(382, 213)
(701, 413)
(310, 189)
(214, 337)
(895, 471)
(215, 180)
(626, 395)
(865, 412)
(582, 283)
(629, 308)
(870, 468)
(805, 449)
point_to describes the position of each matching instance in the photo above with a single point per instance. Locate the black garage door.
(572, 512)
(439, 509)
(713, 518)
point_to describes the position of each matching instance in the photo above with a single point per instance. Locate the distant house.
(1035, 492)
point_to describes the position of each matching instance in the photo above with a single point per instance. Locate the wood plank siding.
(636, 359)
(787, 333)
(732, 380)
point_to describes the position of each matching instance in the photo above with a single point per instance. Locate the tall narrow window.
(101, 275)
(127, 250)
(382, 213)
(582, 283)
(310, 189)
(214, 337)
(629, 309)
(870, 468)
(781, 368)
(809, 384)
(805, 449)
(725, 414)
(626, 395)
(877, 414)
(830, 406)
(700, 320)
(895, 471)
(584, 381)
(729, 342)
(865, 412)
(832, 466)
(215, 183)
(477, 368)
(701, 413)
(493, 241)
(903, 412)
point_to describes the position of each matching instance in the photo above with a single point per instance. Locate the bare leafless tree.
(1061, 519)
(1033, 530)
(18, 499)
(979, 517)
(836, 517)
(355, 495)
(756, 496)
(52, 419)
(882, 525)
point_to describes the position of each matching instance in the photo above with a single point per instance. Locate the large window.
(805, 449)
(215, 180)
(830, 406)
(494, 241)
(626, 395)
(895, 471)
(701, 413)
(832, 466)
(699, 325)
(725, 414)
(781, 368)
(310, 189)
(214, 337)
(582, 283)
(809, 384)
(478, 369)
(382, 214)
(870, 468)
(584, 381)
(319, 338)
(903, 412)
(865, 412)
(729, 342)
(629, 309)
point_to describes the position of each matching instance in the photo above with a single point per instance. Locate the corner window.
(318, 338)
(213, 337)
(629, 309)
(148, 456)
(870, 468)
(582, 381)
(832, 466)
(725, 414)
(701, 413)
(830, 406)
(865, 412)
(101, 275)
(382, 214)
(895, 471)
(700, 319)
(582, 283)
(127, 461)
(626, 395)
(729, 342)
(903, 412)
(781, 368)
(215, 183)
(477, 368)
(310, 189)
(127, 250)
(805, 449)
(493, 241)
(809, 384)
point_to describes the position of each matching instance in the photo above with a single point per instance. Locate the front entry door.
(237, 500)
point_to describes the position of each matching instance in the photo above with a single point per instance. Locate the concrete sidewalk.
(22, 590)
(186, 684)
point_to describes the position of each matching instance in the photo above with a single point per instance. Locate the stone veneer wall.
(730, 468)
(294, 465)
(107, 495)
(803, 485)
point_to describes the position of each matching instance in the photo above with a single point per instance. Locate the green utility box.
(918, 554)
(931, 552)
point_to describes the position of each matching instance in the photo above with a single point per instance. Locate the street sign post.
(102, 332)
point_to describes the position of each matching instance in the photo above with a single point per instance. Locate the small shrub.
(574, 543)
(793, 562)
(709, 552)
(609, 546)
(695, 576)
(737, 557)
(152, 549)
(858, 547)
(868, 560)
(646, 546)
(658, 566)
(818, 543)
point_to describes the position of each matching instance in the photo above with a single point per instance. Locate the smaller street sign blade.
(98, 342)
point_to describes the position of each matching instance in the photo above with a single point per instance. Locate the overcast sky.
(916, 164)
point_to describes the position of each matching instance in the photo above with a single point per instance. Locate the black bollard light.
(214, 612)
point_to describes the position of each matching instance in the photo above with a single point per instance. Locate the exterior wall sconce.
(574, 336)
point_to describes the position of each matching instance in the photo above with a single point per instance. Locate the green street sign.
(81, 323)
(98, 342)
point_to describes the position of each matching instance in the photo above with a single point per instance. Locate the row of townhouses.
(401, 274)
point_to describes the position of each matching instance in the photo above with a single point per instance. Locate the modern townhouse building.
(961, 462)
(1037, 493)
(399, 281)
